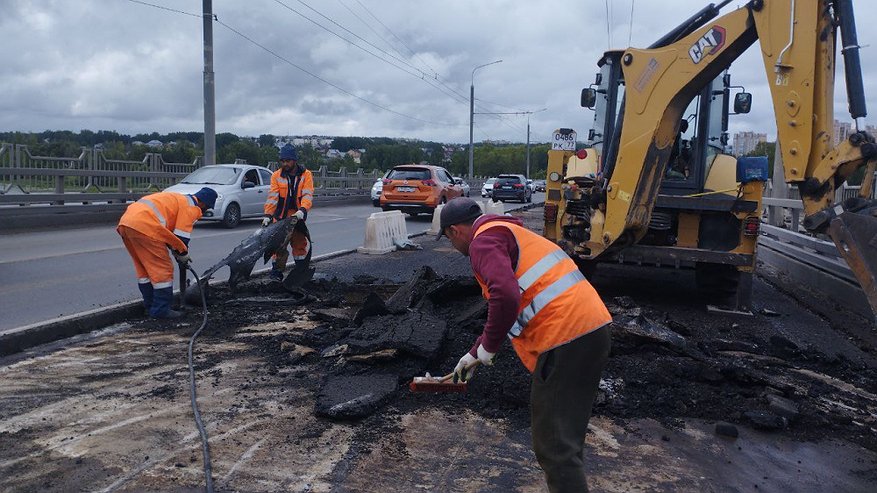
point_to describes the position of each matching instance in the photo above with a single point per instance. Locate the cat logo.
(708, 44)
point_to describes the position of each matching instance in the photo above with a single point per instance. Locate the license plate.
(506, 188)
(405, 189)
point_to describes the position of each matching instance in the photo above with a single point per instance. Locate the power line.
(423, 76)
(282, 58)
(166, 8)
(345, 91)
(630, 29)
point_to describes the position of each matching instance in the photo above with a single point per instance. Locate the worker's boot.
(161, 304)
(146, 292)
(275, 274)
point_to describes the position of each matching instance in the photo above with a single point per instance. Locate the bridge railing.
(92, 177)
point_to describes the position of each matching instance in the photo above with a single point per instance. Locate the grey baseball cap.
(458, 210)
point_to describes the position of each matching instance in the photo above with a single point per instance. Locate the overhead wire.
(500, 118)
(630, 29)
(421, 76)
(282, 58)
(345, 91)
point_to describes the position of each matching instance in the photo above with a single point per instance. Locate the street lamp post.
(528, 138)
(472, 118)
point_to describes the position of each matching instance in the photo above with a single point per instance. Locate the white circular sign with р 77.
(563, 139)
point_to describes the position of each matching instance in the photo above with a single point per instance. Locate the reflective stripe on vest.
(184, 234)
(544, 297)
(155, 210)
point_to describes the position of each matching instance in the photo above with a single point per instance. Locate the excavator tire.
(717, 280)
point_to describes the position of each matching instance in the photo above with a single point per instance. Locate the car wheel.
(530, 198)
(385, 208)
(376, 203)
(232, 216)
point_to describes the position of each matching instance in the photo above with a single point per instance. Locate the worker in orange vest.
(557, 323)
(291, 194)
(148, 228)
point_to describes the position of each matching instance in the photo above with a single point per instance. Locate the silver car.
(241, 191)
(463, 185)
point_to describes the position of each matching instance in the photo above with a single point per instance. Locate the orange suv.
(416, 188)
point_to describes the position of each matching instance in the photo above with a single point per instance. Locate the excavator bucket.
(855, 234)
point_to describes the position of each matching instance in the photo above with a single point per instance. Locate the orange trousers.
(300, 248)
(151, 258)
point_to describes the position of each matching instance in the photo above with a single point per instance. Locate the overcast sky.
(129, 67)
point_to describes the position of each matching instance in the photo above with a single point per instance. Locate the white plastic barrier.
(436, 220)
(492, 207)
(382, 230)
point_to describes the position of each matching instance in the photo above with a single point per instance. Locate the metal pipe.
(852, 64)
(779, 64)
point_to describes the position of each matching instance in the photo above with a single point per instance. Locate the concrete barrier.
(491, 207)
(18, 218)
(382, 231)
(436, 220)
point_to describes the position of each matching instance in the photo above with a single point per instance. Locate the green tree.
(765, 149)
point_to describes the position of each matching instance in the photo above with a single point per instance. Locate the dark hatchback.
(512, 187)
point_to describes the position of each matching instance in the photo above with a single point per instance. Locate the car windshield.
(490, 181)
(213, 175)
(409, 174)
(509, 180)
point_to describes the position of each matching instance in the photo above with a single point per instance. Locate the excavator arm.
(798, 46)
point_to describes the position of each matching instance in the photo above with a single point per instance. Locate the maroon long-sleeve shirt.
(494, 258)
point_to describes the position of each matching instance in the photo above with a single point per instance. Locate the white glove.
(465, 368)
(266, 222)
(182, 258)
(300, 215)
(484, 357)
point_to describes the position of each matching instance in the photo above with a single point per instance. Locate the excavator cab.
(703, 218)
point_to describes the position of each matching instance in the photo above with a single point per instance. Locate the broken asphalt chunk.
(726, 429)
(413, 332)
(372, 305)
(351, 397)
(766, 421)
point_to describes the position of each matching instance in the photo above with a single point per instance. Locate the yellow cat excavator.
(658, 185)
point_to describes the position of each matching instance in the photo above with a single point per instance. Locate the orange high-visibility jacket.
(283, 186)
(558, 304)
(165, 216)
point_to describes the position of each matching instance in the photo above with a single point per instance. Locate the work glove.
(300, 214)
(183, 258)
(266, 222)
(465, 368)
(484, 357)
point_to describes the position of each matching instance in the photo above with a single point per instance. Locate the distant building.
(842, 131)
(745, 142)
(155, 144)
(334, 154)
(356, 155)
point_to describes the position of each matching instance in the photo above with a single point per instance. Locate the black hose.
(208, 470)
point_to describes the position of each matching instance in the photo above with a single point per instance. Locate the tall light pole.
(528, 138)
(472, 118)
(209, 101)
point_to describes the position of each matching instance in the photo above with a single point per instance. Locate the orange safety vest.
(558, 304)
(164, 216)
(303, 191)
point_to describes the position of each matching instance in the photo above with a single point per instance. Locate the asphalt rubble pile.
(373, 336)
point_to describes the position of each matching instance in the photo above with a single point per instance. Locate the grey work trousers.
(562, 393)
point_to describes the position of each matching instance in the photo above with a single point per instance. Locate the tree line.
(380, 153)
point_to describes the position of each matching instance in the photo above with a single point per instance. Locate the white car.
(241, 191)
(377, 188)
(463, 185)
(487, 188)
(531, 185)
